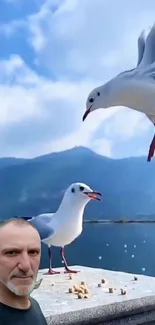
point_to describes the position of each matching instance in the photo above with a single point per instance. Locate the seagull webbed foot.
(51, 272)
(67, 270)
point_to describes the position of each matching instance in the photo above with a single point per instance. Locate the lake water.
(125, 247)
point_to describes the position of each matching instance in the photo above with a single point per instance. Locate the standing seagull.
(66, 224)
(134, 88)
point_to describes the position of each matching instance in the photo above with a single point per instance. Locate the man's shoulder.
(36, 308)
(34, 302)
(13, 316)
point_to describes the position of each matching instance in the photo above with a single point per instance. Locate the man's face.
(19, 258)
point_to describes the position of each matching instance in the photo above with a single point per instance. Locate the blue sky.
(52, 54)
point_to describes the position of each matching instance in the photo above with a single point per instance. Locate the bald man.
(20, 250)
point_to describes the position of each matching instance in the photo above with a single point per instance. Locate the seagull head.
(98, 98)
(82, 192)
(77, 196)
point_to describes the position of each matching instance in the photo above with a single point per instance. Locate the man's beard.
(22, 290)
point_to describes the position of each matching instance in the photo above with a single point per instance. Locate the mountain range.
(33, 186)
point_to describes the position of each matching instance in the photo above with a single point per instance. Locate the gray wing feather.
(141, 47)
(151, 118)
(43, 223)
(149, 51)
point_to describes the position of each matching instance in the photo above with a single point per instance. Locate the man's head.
(20, 250)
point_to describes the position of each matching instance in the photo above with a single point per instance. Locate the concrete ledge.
(137, 306)
(119, 313)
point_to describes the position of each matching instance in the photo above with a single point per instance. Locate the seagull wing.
(151, 118)
(43, 223)
(149, 50)
(141, 47)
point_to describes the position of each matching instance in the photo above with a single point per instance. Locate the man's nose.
(24, 262)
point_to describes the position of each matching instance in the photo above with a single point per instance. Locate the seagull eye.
(91, 100)
(81, 188)
(98, 93)
(73, 190)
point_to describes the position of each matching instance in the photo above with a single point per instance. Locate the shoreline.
(120, 221)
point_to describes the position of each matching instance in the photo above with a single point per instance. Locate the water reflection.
(111, 246)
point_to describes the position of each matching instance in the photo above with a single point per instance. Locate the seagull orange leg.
(50, 271)
(152, 149)
(65, 263)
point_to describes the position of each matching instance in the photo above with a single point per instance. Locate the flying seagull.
(134, 88)
(66, 224)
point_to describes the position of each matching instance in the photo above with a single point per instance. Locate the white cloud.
(39, 113)
(126, 124)
(103, 147)
(78, 45)
(87, 35)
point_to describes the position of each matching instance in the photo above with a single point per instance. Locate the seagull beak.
(86, 113)
(94, 195)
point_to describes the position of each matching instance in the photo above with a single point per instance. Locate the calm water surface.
(129, 247)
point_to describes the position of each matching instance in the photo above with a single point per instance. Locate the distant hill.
(5, 162)
(33, 186)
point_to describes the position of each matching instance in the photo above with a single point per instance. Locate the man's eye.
(33, 252)
(12, 253)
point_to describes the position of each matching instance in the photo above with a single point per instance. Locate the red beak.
(94, 195)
